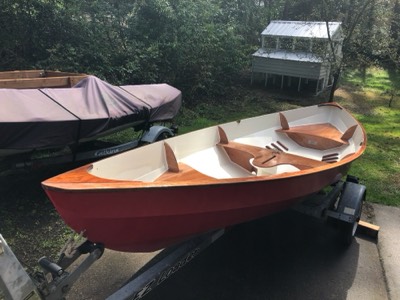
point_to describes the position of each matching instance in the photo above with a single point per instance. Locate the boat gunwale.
(94, 183)
(104, 184)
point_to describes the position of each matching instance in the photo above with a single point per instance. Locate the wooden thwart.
(241, 154)
(320, 136)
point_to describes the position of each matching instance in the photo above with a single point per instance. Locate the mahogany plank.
(263, 157)
(322, 136)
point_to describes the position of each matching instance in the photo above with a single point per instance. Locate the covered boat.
(46, 118)
(157, 195)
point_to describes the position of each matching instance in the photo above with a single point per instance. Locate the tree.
(355, 11)
(394, 35)
(199, 46)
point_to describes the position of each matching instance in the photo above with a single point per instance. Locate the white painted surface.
(199, 149)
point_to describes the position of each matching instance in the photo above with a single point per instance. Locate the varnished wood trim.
(171, 159)
(266, 158)
(223, 139)
(282, 145)
(284, 122)
(349, 133)
(322, 136)
(82, 179)
(331, 155)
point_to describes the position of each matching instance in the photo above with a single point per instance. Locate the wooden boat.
(154, 196)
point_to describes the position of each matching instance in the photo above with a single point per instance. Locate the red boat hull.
(151, 218)
(157, 195)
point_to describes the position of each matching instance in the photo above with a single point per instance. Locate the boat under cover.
(157, 195)
(42, 118)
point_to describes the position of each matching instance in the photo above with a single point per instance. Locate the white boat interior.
(204, 152)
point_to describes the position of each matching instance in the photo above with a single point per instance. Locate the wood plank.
(369, 229)
(266, 158)
(322, 136)
(38, 79)
(21, 74)
(49, 82)
(263, 157)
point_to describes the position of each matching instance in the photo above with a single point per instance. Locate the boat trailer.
(340, 206)
(88, 151)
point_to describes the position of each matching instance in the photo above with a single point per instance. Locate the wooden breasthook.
(321, 136)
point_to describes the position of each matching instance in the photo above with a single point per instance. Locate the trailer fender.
(156, 133)
(348, 211)
(350, 204)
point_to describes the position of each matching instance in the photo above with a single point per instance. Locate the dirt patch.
(28, 220)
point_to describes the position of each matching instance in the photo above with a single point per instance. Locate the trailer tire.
(156, 133)
(350, 209)
(163, 136)
(347, 232)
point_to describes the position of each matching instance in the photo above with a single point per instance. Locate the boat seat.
(321, 136)
(242, 154)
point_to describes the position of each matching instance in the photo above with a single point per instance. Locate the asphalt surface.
(285, 256)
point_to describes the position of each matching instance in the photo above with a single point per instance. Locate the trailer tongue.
(55, 282)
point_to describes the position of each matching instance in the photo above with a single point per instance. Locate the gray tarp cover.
(47, 118)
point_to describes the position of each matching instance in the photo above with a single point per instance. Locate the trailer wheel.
(347, 232)
(156, 133)
(163, 136)
(350, 208)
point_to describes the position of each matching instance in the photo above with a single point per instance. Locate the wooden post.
(298, 87)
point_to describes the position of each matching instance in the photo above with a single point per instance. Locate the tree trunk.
(336, 76)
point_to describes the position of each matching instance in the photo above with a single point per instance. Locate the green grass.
(379, 80)
(379, 168)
